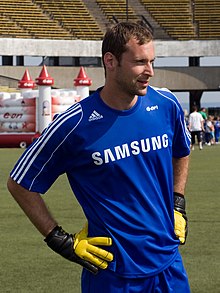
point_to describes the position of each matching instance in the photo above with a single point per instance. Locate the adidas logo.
(95, 116)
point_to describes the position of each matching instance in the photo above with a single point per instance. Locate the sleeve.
(182, 136)
(190, 119)
(201, 117)
(47, 158)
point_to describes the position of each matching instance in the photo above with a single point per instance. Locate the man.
(196, 127)
(203, 113)
(217, 129)
(209, 131)
(125, 152)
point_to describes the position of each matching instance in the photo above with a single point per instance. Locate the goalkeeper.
(125, 150)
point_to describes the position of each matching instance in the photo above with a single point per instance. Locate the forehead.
(136, 50)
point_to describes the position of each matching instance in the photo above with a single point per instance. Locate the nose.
(149, 70)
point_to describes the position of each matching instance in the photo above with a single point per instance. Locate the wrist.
(51, 229)
(179, 202)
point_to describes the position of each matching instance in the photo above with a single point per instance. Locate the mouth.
(144, 83)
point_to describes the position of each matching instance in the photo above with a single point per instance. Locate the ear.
(110, 61)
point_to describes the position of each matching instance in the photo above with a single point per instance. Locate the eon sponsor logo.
(152, 108)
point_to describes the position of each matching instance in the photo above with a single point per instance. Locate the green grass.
(27, 265)
(201, 254)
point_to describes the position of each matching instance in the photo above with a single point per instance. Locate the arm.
(79, 249)
(34, 207)
(203, 129)
(180, 174)
(180, 169)
(189, 123)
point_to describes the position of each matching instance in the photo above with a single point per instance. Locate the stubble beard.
(131, 88)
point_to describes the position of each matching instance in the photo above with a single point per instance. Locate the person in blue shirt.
(125, 151)
(217, 128)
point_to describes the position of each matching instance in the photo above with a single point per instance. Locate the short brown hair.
(118, 36)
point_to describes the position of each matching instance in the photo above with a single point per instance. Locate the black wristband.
(179, 203)
(62, 243)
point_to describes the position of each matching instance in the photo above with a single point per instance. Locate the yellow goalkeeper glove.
(180, 219)
(86, 248)
(80, 249)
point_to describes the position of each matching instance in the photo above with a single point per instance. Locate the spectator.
(217, 129)
(203, 113)
(204, 116)
(209, 131)
(196, 127)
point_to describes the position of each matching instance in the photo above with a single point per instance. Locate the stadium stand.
(117, 10)
(207, 16)
(27, 19)
(88, 19)
(9, 28)
(74, 16)
(175, 16)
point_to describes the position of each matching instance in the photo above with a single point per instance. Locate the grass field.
(27, 265)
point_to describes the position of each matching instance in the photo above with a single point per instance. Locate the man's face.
(135, 68)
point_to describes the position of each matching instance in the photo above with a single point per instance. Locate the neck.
(117, 100)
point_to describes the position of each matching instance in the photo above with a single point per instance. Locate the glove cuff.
(179, 203)
(62, 243)
(57, 239)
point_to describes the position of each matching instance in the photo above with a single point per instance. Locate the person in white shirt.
(196, 127)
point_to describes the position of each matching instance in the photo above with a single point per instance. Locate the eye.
(141, 62)
(152, 62)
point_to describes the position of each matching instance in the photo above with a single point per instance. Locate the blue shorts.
(174, 279)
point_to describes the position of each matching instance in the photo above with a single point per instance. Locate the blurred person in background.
(196, 127)
(203, 113)
(209, 131)
(217, 128)
(204, 116)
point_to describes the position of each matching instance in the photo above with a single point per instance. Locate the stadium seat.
(174, 16)
(73, 16)
(76, 19)
(207, 16)
(117, 10)
(28, 18)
